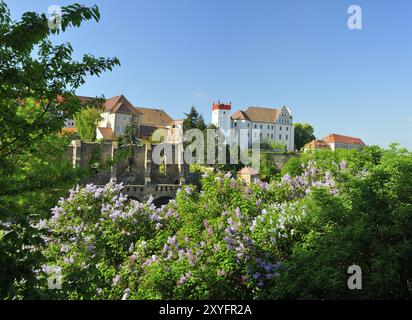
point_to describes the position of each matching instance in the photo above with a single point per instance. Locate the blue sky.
(180, 53)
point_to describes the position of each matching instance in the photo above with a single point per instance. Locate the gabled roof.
(261, 114)
(107, 133)
(240, 115)
(248, 170)
(317, 144)
(337, 138)
(84, 99)
(154, 117)
(120, 104)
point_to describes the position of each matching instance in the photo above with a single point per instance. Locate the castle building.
(116, 116)
(267, 124)
(335, 141)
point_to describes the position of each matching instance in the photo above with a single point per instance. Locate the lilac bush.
(90, 235)
(228, 241)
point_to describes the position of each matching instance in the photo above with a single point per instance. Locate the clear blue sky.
(180, 53)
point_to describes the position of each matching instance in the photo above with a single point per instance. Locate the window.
(248, 125)
(224, 112)
(117, 128)
(235, 124)
(280, 128)
(287, 128)
(268, 127)
(255, 126)
(268, 135)
(280, 137)
(272, 127)
(287, 137)
(271, 136)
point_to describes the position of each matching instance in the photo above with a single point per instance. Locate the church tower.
(221, 117)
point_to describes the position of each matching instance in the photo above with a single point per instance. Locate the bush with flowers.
(292, 238)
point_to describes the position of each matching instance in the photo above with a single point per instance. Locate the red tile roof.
(248, 170)
(337, 138)
(317, 144)
(120, 104)
(258, 114)
(221, 106)
(240, 115)
(107, 133)
(154, 117)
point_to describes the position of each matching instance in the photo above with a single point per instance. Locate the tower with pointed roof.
(221, 117)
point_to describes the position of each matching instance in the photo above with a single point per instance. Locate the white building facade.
(117, 116)
(266, 124)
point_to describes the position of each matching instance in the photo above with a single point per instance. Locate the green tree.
(131, 134)
(268, 169)
(368, 223)
(38, 81)
(292, 167)
(304, 133)
(86, 123)
(270, 144)
(193, 120)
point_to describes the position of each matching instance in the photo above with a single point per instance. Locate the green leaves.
(304, 133)
(75, 14)
(85, 122)
(38, 81)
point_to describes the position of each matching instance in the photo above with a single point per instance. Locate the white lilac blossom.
(126, 294)
(68, 260)
(237, 233)
(343, 165)
(42, 224)
(312, 177)
(233, 183)
(184, 278)
(221, 272)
